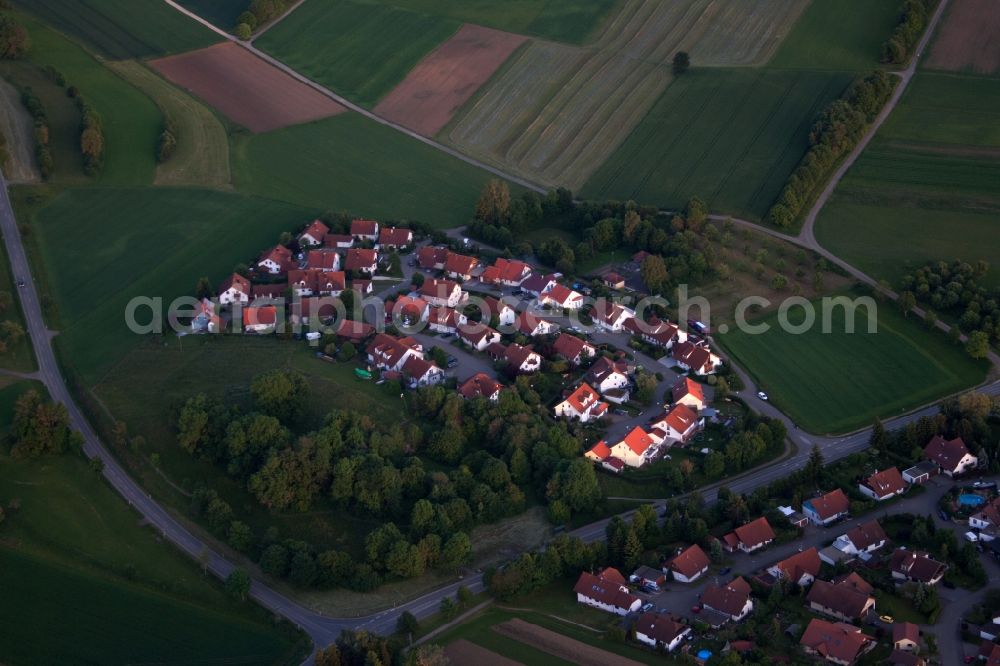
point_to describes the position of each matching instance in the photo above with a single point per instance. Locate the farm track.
(18, 130)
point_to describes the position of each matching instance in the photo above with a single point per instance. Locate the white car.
(761, 395)
(972, 537)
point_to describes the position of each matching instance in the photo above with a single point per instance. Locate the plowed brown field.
(969, 39)
(464, 652)
(246, 89)
(561, 646)
(445, 80)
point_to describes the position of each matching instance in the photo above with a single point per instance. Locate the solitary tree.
(407, 623)
(494, 203)
(907, 301)
(682, 62)
(238, 584)
(978, 345)
(14, 41)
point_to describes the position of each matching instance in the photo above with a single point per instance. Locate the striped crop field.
(555, 112)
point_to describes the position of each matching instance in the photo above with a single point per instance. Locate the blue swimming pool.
(970, 499)
(704, 655)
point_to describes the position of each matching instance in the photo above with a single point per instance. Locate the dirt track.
(17, 128)
(246, 89)
(464, 652)
(561, 646)
(969, 39)
(445, 80)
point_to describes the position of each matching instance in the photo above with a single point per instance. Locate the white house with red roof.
(388, 353)
(532, 326)
(409, 310)
(275, 261)
(601, 453)
(459, 266)
(799, 568)
(315, 282)
(606, 591)
(635, 449)
(827, 508)
(505, 314)
(836, 642)
(314, 234)
(689, 565)
(573, 349)
(361, 260)
(611, 316)
(325, 259)
(506, 272)
(688, 392)
(607, 375)
(339, 241)
(750, 537)
(680, 424)
(537, 284)
(480, 385)
(883, 485)
(659, 630)
(235, 289)
(583, 404)
(432, 258)
(364, 229)
(260, 320)
(420, 372)
(442, 293)
(951, 455)
(696, 358)
(524, 360)
(655, 332)
(445, 320)
(394, 238)
(562, 297)
(478, 336)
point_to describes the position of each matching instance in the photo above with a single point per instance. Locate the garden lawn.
(729, 136)
(360, 50)
(838, 382)
(101, 247)
(350, 163)
(928, 186)
(122, 594)
(838, 34)
(121, 29)
(131, 121)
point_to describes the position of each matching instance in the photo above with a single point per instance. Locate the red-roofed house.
(611, 316)
(655, 332)
(234, 289)
(478, 336)
(952, 456)
(731, 600)
(599, 452)
(801, 568)
(606, 593)
(421, 373)
(275, 261)
(696, 358)
(442, 293)
(355, 331)
(680, 424)
(689, 565)
(613, 281)
(388, 353)
(688, 392)
(506, 272)
(324, 260)
(827, 508)
(524, 360)
(572, 348)
(361, 260)
(364, 229)
(393, 238)
(315, 234)
(445, 320)
(583, 404)
(273, 291)
(883, 485)
(660, 631)
(260, 319)
(606, 375)
(504, 313)
(532, 326)
(561, 296)
(836, 642)
(459, 266)
(480, 385)
(750, 537)
(865, 538)
(916, 567)
(432, 258)
(408, 310)
(537, 284)
(841, 600)
(635, 449)
(339, 241)
(906, 636)
(313, 309)
(314, 282)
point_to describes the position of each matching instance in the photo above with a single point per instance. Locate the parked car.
(945, 516)
(723, 572)
(696, 609)
(20, 282)
(888, 619)
(647, 607)
(761, 395)
(452, 361)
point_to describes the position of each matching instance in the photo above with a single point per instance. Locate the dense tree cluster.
(41, 427)
(10, 332)
(43, 153)
(500, 219)
(956, 289)
(564, 556)
(14, 40)
(257, 14)
(837, 130)
(912, 21)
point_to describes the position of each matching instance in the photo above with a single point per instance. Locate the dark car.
(945, 516)
(723, 572)
(452, 361)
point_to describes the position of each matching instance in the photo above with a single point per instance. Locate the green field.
(729, 136)
(220, 13)
(104, 246)
(353, 164)
(931, 176)
(358, 49)
(121, 29)
(131, 121)
(837, 382)
(202, 154)
(121, 595)
(838, 35)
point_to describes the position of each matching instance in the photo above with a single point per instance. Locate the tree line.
(42, 131)
(837, 130)
(912, 21)
(91, 133)
(258, 13)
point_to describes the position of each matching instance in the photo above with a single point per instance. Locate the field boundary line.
(448, 625)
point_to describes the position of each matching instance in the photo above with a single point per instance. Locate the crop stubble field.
(556, 111)
(968, 39)
(245, 88)
(18, 130)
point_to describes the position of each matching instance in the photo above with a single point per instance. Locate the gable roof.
(605, 591)
(562, 295)
(354, 330)
(691, 355)
(510, 270)
(389, 350)
(905, 631)
(601, 450)
(459, 263)
(334, 240)
(429, 257)
(690, 561)
(326, 259)
(569, 346)
(416, 367)
(317, 280)
(536, 282)
(835, 640)
(843, 599)
(265, 315)
(829, 505)
(638, 440)
(755, 532)
(364, 227)
(316, 230)
(916, 566)
(602, 368)
(438, 288)
(867, 535)
(279, 254)
(358, 258)
(583, 398)
(475, 334)
(855, 581)
(729, 599)
(394, 236)
(806, 562)
(681, 418)
(660, 627)
(887, 482)
(946, 453)
(686, 386)
(236, 282)
(517, 355)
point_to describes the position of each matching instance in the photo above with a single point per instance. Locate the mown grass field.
(838, 35)
(131, 121)
(202, 154)
(122, 594)
(103, 246)
(353, 164)
(729, 136)
(360, 50)
(555, 112)
(837, 382)
(121, 29)
(928, 186)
